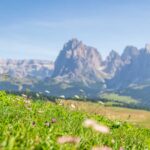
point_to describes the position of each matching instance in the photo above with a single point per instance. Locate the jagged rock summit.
(129, 53)
(78, 62)
(135, 70)
(113, 63)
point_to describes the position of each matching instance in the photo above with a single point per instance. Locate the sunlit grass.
(137, 117)
(27, 124)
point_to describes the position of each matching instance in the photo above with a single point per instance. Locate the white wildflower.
(68, 139)
(94, 125)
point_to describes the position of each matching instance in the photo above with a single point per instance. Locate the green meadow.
(27, 124)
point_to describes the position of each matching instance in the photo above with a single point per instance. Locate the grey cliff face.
(78, 61)
(136, 71)
(130, 52)
(113, 63)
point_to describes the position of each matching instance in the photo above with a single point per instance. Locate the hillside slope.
(27, 124)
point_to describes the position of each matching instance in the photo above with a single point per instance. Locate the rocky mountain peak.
(78, 60)
(113, 55)
(113, 63)
(72, 44)
(130, 52)
(147, 48)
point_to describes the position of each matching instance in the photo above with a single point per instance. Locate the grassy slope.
(17, 130)
(118, 98)
(142, 93)
(139, 118)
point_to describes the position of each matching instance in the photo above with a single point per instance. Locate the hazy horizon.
(37, 30)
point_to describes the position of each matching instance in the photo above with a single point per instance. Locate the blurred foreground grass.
(27, 124)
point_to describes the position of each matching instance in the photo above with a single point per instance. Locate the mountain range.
(80, 70)
(26, 68)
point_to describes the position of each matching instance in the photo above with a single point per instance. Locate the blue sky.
(39, 28)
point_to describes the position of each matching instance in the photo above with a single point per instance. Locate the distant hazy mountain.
(21, 69)
(78, 67)
(78, 62)
(129, 53)
(80, 70)
(113, 63)
(136, 69)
